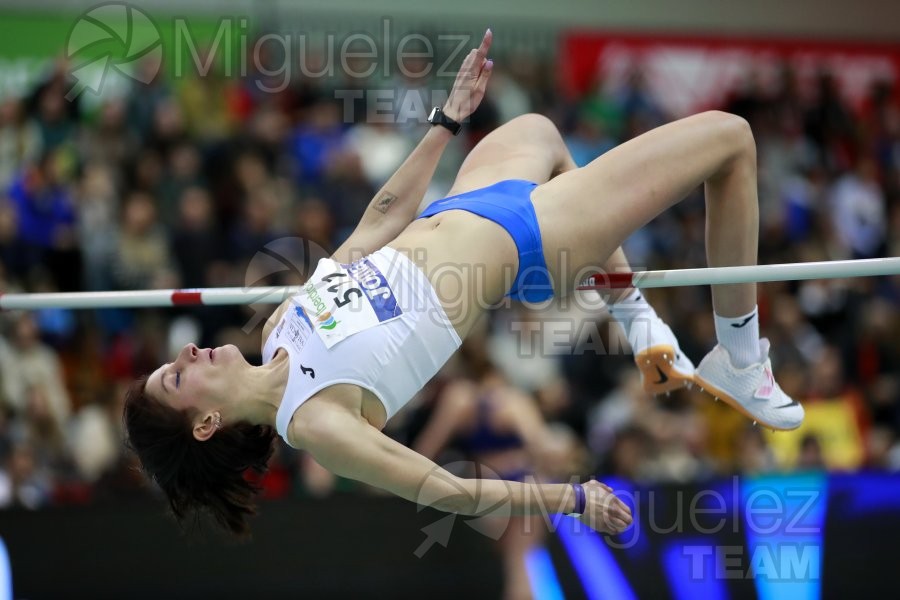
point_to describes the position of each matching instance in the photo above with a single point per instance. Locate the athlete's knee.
(535, 123)
(735, 133)
(733, 137)
(543, 135)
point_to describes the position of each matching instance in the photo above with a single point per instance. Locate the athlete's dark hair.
(197, 476)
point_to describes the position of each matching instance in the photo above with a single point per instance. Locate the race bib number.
(341, 300)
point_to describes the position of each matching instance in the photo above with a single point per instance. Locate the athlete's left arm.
(396, 203)
(347, 445)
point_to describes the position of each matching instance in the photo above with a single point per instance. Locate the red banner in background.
(687, 74)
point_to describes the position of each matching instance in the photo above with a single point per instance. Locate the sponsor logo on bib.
(327, 321)
(323, 315)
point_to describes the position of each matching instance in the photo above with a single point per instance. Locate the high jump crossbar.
(640, 279)
(832, 269)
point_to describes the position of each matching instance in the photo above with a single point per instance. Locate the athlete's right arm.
(396, 203)
(348, 445)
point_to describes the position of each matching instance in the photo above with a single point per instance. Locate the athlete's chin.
(227, 354)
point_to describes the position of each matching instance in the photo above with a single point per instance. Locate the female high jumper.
(380, 317)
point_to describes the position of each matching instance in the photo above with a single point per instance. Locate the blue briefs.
(508, 203)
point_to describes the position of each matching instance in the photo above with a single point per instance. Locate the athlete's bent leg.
(531, 147)
(640, 179)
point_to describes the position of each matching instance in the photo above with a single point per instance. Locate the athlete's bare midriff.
(471, 262)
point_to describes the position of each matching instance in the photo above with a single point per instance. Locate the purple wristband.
(580, 500)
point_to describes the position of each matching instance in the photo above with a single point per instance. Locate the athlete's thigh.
(527, 147)
(585, 214)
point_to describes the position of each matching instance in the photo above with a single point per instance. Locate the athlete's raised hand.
(603, 511)
(471, 81)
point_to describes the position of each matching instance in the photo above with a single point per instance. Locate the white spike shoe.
(752, 391)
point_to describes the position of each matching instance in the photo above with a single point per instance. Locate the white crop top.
(376, 323)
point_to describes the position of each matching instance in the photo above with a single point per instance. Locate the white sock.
(636, 317)
(740, 336)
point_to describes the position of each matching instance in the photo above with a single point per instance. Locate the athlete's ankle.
(740, 337)
(637, 318)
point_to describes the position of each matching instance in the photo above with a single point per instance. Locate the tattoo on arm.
(384, 201)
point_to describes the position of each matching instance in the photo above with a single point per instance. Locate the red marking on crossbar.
(186, 298)
(607, 281)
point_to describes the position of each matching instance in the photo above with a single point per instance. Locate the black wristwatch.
(437, 117)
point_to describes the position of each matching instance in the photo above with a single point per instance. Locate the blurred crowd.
(194, 182)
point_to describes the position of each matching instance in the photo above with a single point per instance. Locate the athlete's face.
(198, 378)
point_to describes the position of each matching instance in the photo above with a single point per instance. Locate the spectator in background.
(145, 99)
(183, 171)
(111, 140)
(508, 96)
(29, 367)
(614, 412)
(587, 139)
(46, 216)
(313, 222)
(195, 241)
(259, 226)
(205, 101)
(810, 454)
(14, 256)
(830, 124)
(20, 140)
(147, 172)
(639, 105)
(22, 483)
(631, 454)
(859, 214)
(601, 107)
(786, 156)
(94, 443)
(409, 96)
(380, 147)
(168, 129)
(98, 224)
(316, 140)
(517, 346)
(38, 427)
(754, 457)
(55, 117)
(142, 259)
(347, 192)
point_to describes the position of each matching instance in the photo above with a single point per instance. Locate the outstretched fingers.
(477, 62)
(471, 80)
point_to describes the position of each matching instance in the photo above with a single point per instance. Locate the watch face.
(433, 114)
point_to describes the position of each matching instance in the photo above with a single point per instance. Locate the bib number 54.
(371, 285)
